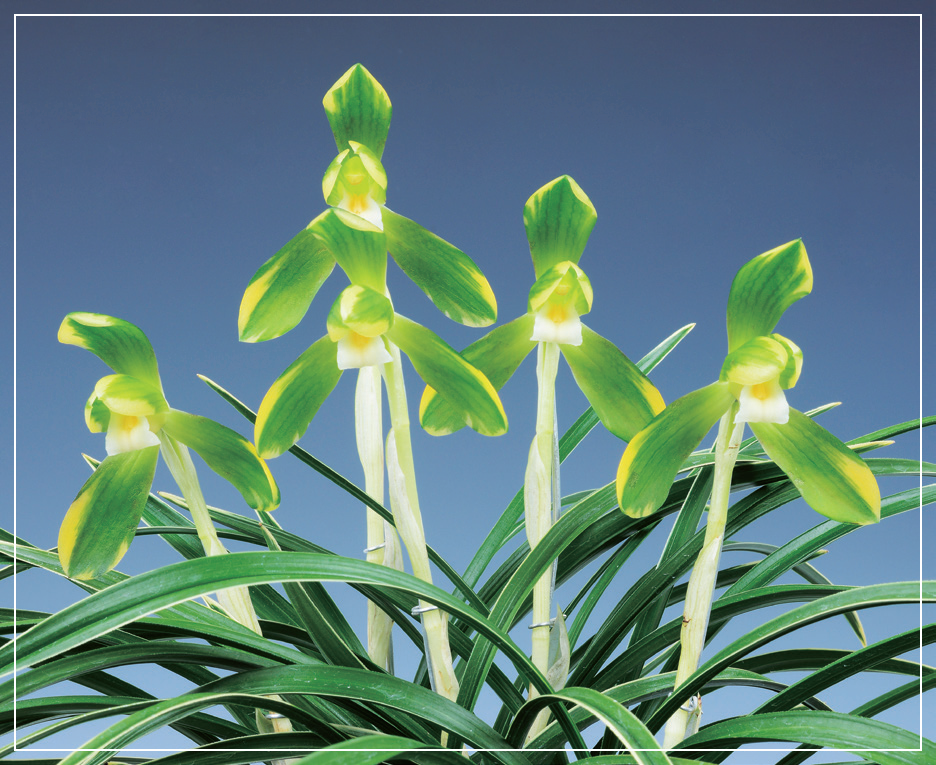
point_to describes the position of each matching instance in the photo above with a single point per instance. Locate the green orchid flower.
(760, 366)
(131, 409)
(558, 219)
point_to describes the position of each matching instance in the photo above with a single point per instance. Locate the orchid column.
(760, 366)
(558, 218)
(366, 333)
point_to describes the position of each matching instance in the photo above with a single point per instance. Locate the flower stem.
(541, 503)
(383, 547)
(405, 506)
(698, 604)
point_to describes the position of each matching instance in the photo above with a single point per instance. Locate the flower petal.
(129, 395)
(358, 351)
(764, 288)
(361, 310)
(497, 355)
(292, 401)
(622, 396)
(118, 343)
(833, 480)
(463, 386)
(763, 402)
(280, 293)
(654, 456)
(558, 218)
(358, 109)
(97, 415)
(359, 247)
(99, 525)
(794, 366)
(760, 359)
(448, 276)
(229, 454)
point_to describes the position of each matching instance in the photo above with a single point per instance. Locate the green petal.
(497, 355)
(96, 414)
(760, 359)
(655, 454)
(559, 219)
(118, 343)
(622, 396)
(449, 277)
(764, 288)
(357, 161)
(358, 109)
(229, 454)
(440, 367)
(359, 247)
(128, 395)
(280, 293)
(562, 284)
(794, 366)
(360, 310)
(99, 526)
(833, 480)
(292, 401)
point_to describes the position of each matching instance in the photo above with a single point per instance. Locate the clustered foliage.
(268, 649)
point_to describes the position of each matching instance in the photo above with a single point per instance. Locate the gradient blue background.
(160, 161)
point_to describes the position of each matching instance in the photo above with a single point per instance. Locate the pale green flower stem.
(538, 503)
(383, 546)
(698, 604)
(235, 600)
(405, 506)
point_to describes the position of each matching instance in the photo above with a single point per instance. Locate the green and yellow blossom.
(131, 409)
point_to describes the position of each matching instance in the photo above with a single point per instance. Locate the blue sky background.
(161, 161)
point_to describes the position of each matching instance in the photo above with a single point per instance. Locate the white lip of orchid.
(126, 433)
(557, 324)
(364, 206)
(356, 351)
(763, 402)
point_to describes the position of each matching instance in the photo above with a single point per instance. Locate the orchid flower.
(558, 218)
(759, 367)
(366, 333)
(130, 408)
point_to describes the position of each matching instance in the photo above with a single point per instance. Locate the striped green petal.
(558, 218)
(357, 171)
(358, 109)
(361, 310)
(654, 456)
(229, 454)
(99, 525)
(764, 288)
(359, 247)
(128, 395)
(833, 480)
(292, 401)
(497, 355)
(457, 381)
(622, 396)
(562, 284)
(794, 365)
(96, 414)
(280, 293)
(118, 343)
(760, 359)
(447, 275)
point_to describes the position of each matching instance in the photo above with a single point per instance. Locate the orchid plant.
(759, 367)
(365, 332)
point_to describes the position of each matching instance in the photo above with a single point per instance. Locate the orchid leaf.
(281, 291)
(764, 288)
(448, 276)
(358, 246)
(292, 401)
(497, 355)
(129, 395)
(558, 218)
(229, 454)
(358, 109)
(655, 454)
(459, 383)
(621, 395)
(99, 526)
(118, 343)
(833, 480)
